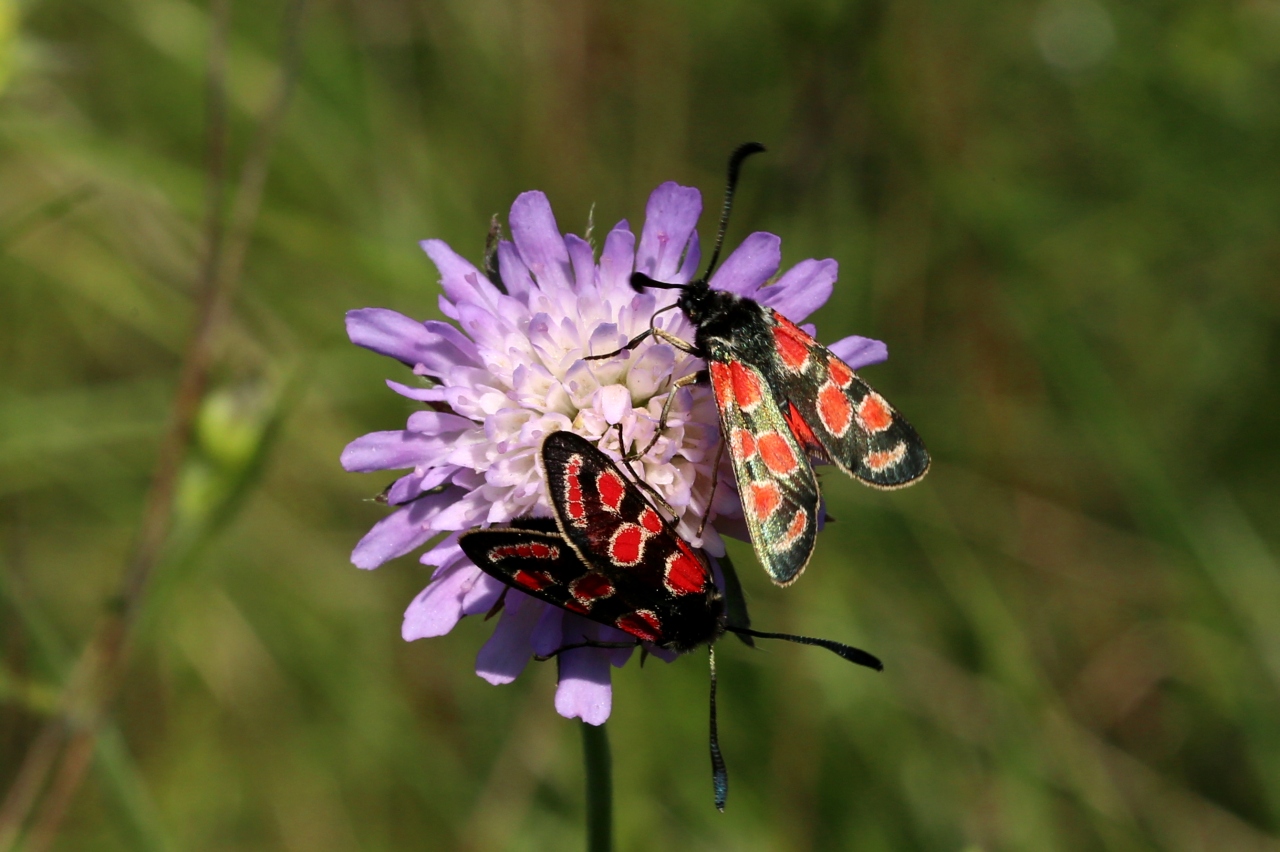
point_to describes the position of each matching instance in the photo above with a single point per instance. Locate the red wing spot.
(642, 624)
(685, 574)
(765, 499)
(793, 351)
(525, 550)
(804, 435)
(722, 381)
(650, 520)
(777, 454)
(874, 413)
(627, 545)
(534, 581)
(612, 489)
(840, 372)
(574, 606)
(591, 587)
(834, 409)
(545, 551)
(573, 489)
(887, 458)
(746, 387)
(744, 444)
(794, 531)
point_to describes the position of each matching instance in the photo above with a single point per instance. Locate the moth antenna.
(719, 772)
(735, 166)
(640, 281)
(848, 652)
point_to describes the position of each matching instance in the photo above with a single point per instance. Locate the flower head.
(510, 369)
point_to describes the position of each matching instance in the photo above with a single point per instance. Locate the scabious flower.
(508, 370)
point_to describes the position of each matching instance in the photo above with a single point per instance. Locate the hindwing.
(829, 407)
(616, 532)
(775, 480)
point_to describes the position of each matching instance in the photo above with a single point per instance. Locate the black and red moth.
(784, 398)
(610, 557)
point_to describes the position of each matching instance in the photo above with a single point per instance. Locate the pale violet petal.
(533, 227)
(750, 265)
(859, 352)
(503, 657)
(802, 290)
(669, 220)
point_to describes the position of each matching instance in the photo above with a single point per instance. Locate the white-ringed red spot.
(777, 454)
(834, 409)
(642, 624)
(591, 587)
(743, 444)
(684, 573)
(612, 489)
(524, 550)
(650, 520)
(534, 581)
(765, 499)
(722, 382)
(794, 531)
(574, 506)
(886, 458)
(626, 546)
(793, 350)
(840, 372)
(874, 414)
(746, 386)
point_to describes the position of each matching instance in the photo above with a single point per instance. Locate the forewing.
(778, 488)
(616, 531)
(831, 408)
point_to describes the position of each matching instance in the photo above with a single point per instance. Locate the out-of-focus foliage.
(1064, 219)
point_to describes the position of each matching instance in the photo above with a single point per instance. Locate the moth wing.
(829, 406)
(775, 480)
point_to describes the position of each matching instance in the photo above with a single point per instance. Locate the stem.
(595, 751)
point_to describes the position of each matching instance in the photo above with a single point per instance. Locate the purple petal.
(614, 403)
(448, 348)
(618, 258)
(386, 451)
(482, 596)
(403, 530)
(504, 656)
(859, 352)
(805, 288)
(692, 257)
(533, 227)
(443, 554)
(439, 423)
(750, 265)
(584, 690)
(583, 258)
(411, 485)
(459, 279)
(547, 635)
(388, 333)
(438, 607)
(436, 394)
(515, 275)
(669, 220)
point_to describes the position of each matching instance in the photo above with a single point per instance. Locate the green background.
(1064, 220)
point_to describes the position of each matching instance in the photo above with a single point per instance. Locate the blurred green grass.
(1062, 217)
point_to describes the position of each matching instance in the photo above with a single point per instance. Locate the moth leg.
(558, 651)
(715, 481)
(649, 489)
(627, 347)
(685, 381)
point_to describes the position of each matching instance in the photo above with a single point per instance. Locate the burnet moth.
(783, 398)
(608, 556)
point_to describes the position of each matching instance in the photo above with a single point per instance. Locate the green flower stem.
(595, 751)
